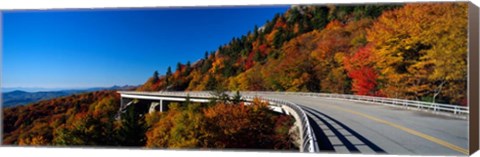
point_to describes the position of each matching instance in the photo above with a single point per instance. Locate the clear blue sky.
(100, 48)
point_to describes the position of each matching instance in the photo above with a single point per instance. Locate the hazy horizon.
(43, 89)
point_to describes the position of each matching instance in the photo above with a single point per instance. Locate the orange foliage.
(280, 23)
(33, 124)
(222, 125)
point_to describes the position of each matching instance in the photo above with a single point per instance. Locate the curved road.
(343, 126)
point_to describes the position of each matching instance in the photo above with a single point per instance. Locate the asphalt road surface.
(343, 126)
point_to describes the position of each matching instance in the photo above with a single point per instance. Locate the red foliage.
(360, 70)
(249, 61)
(364, 80)
(263, 48)
(280, 23)
(464, 102)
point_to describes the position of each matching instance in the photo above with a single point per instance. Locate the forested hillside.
(84, 117)
(88, 120)
(417, 51)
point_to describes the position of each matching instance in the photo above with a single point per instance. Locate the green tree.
(179, 66)
(279, 38)
(187, 68)
(155, 77)
(255, 32)
(320, 17)
(211, 83)
(168, 75)
(237, 98)
(132, 129)
(169, 71)
(257, 57)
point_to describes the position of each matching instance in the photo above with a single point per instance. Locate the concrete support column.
(122, 103)
(154, 105)
(122, 107)
(161, 105)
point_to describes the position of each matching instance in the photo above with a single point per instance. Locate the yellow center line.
(411, 131)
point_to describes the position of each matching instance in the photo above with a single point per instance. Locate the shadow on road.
(322, 140)
(340, 131)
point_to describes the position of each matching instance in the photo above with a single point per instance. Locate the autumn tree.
(33, 141)
(422, 51)
(360, 67)
(94, 127)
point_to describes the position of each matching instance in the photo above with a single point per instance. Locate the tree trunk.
(438, 90)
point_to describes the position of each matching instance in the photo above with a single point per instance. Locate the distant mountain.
(28, 89)
(39, 89)
(19, 97)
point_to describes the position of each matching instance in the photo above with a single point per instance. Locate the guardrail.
(435, 107)
(306, 133)
(308, 140)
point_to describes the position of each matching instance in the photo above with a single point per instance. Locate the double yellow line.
(413, 132)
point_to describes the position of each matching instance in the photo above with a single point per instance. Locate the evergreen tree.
(278, 38)
(228, 70)
(169, 71)
(187, 68)
(320, 17)
(133, 128)
(187, 100)
(237, 98)
(211, 83)
(168, 75)
(257, 57)
(179, 66)
(207, 65)
(219, 94)
(155, 76)
(255, 32)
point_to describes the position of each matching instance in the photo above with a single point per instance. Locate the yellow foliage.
(422, 45)
(33, 141)
(217, 65)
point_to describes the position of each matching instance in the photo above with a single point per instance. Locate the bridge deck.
(342, 126)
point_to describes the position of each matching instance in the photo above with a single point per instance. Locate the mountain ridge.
(20, 97)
